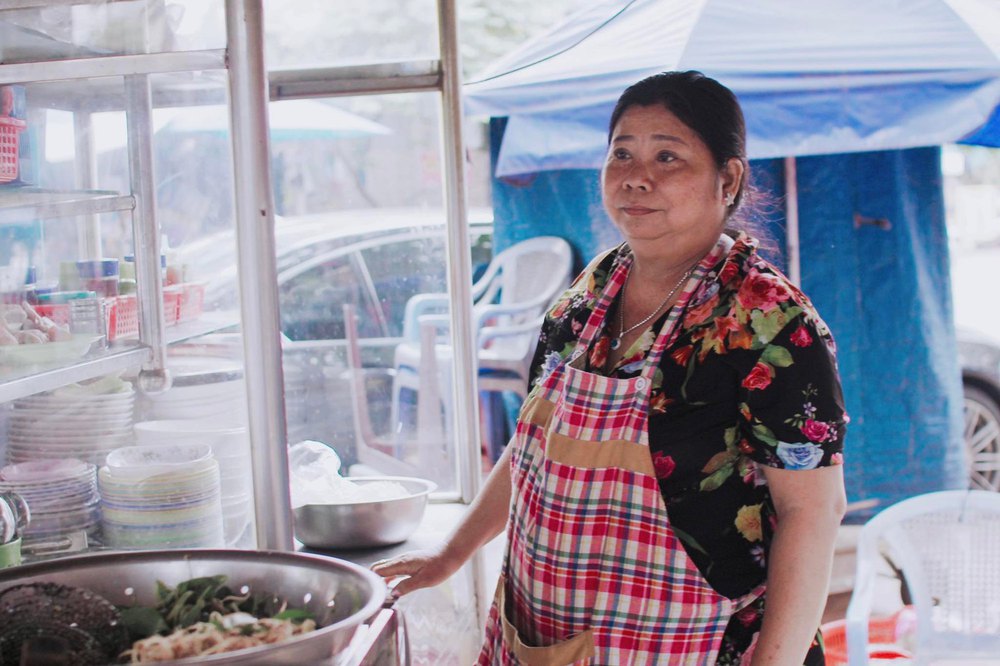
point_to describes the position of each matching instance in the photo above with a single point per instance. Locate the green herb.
(195, 600)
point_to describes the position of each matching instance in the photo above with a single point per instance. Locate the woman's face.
(661, 186)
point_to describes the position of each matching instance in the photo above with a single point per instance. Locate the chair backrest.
(523, 280)
(532, 269)
(947, 546)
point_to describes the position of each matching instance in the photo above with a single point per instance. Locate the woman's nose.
(637, 178)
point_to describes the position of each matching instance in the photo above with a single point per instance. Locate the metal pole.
(792, 221)
(146, 233)
(463, 337)
(89, 240)
(258, 275)
(459, 261)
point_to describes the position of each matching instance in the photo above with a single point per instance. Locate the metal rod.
(465, 367)
(120, 65)
(792, 221)
(89, 238)
(258, 275)
(396, 77)
(145, 233)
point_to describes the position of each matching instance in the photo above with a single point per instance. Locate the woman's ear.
(732, 178)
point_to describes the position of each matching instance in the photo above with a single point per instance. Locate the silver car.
(979, 357)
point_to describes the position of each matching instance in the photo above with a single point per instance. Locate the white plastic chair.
(426, 453)
(947, 547)
(510, 301)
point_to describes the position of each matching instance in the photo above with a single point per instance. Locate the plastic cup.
(10, 553)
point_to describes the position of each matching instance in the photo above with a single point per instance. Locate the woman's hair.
(712, 112)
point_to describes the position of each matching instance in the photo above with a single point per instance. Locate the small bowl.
(364, 524)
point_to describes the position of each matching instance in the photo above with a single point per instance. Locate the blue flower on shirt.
(800, 455)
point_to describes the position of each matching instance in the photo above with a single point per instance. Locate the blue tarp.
(818, 77)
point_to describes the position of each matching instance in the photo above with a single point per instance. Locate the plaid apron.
(593, 573)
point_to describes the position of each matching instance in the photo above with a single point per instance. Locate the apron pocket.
(577, 650)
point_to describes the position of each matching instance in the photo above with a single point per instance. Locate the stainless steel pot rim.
(372, 606)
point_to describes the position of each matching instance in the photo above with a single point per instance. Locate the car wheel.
(982, 438)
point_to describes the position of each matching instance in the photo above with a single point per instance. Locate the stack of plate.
(231, 448)
(70, 424)
(62, 497)
(161, 497)
(202, 387)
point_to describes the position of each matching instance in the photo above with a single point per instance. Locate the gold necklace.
(617, 341)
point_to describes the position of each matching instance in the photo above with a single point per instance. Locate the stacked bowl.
(230, 446)
(82, 422)
(202, 387)
(161, 497)
(62, 498)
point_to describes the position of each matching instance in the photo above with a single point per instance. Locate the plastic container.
(10, 553)
(883, 634)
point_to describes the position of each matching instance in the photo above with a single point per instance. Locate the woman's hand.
(484, 520)
(417, 569)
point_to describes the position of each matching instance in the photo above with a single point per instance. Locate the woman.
(678, 460)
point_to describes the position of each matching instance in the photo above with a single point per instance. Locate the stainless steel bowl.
(340, 595)
(364, 524)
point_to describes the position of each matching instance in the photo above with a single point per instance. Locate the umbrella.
(289, 120)
(824, 76)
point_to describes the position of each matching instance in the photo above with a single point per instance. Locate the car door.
(313, 296)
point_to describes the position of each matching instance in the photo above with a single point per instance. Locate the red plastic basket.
(192, 301)
(171, 304)
(10, 128)
(882, 635)
(123, 317)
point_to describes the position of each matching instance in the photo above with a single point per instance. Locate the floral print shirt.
(750, 380)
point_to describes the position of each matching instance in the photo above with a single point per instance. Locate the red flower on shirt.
(681, 355)
(599, 352)
(729, 271)
(759, 378)
(801, 337)
(663, 464)
(762, 292)
(816, 431)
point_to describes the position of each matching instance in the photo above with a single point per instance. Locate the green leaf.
(730, 436)
(687, 540)
(776, 356)
(294, 614)
(717, 478)
(764, 434)
(142, 622)
(716, 462)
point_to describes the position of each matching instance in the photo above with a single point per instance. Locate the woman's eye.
(665, 157)
(619, 154)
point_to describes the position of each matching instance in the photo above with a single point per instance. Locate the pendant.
(615, 343)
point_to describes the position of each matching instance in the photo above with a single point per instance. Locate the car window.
(312, 302)
(402, 269)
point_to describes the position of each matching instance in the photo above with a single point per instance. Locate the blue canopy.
(816, 77)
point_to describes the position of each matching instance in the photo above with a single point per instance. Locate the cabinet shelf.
(20, 381)
(27, 204)
(29, 379)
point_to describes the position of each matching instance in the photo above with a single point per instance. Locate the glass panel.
(110, 28)
(400, 271)
(302, 33)
(312, 302)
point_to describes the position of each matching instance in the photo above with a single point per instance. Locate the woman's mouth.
(636, 210)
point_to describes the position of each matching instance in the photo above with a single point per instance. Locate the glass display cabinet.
(173, 270)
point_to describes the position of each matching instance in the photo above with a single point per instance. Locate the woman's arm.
(810, 505)
(485, 519)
